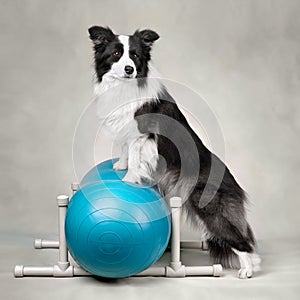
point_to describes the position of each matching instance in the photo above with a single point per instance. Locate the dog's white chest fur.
(116, 104)
(118, 100)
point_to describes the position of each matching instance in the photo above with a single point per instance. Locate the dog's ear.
(101, 35)
(147, 36)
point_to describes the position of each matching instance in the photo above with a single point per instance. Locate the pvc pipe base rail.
(63, 268)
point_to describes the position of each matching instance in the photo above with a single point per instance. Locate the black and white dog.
(159, 145)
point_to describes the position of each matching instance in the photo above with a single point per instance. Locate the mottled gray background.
(242, 57)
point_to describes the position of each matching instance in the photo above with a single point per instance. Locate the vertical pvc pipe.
(74, 187)
(175, 203)
(62, 202)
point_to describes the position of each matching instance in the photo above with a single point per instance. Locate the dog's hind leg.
(230, 236)
(227, 241)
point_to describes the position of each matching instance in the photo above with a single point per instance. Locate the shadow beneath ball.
(106, 280)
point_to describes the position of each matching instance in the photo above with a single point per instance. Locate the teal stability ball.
(116, 229)
(102, 172)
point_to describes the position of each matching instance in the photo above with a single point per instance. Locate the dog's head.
(121, 56)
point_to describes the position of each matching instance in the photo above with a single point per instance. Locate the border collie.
(158, 145)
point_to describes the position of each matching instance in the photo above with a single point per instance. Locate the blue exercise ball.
(116, 229)
(102, 172)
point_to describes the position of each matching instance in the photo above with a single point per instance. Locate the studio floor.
(279, 278)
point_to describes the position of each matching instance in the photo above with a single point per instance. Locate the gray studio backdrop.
(242, 57)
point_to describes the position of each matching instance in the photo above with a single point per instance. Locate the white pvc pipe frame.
(63, 268)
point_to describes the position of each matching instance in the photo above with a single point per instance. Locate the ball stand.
(63, 268)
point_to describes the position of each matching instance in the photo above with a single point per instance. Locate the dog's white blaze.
(124, 39)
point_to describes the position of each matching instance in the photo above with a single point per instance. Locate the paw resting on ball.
(132, 177)
(120, 165)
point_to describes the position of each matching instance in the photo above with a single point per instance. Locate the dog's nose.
(129, 70)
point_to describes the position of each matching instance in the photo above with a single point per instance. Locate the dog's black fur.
(223, 214)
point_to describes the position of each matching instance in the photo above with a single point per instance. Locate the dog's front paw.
(245, 273)
(131, 177)
(120, 165)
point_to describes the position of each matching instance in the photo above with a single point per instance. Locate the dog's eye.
(117, 54)
(135, 56)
